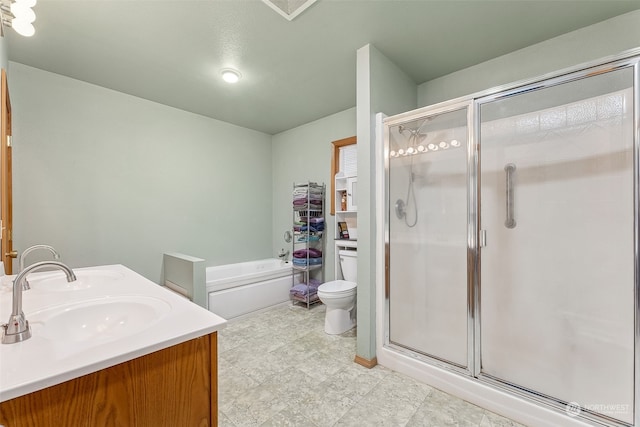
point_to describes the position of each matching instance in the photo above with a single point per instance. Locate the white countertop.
(41, 362)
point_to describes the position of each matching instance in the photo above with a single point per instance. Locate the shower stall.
(511, 246)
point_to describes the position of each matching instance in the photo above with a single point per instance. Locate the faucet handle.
(17, 330)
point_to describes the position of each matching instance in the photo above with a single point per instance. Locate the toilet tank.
(349, 265)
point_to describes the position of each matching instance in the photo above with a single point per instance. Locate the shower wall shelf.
(308, 242)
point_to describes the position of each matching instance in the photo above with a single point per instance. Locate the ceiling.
(293, 72)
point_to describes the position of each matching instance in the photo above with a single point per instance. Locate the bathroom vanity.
(111, 348)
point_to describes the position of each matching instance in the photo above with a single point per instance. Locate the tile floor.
(279, 368)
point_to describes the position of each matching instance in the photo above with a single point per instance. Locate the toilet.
(340, 296)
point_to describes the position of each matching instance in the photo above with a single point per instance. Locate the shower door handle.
(510, 169)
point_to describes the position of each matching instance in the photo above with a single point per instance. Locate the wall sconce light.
(19, 15)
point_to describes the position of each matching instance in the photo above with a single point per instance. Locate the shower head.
(402, 129)
(418, 126)
(414, 134)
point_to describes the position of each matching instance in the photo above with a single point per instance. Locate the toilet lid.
(336, 286)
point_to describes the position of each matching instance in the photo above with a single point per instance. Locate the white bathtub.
(242, 288)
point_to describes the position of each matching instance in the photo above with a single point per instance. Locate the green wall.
(109, 178)
(304, 154)
(4, 53)
(381, 87)
(586, 44)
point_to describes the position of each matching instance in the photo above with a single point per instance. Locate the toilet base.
(338, 320)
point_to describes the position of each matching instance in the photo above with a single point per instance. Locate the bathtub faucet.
(283, 255)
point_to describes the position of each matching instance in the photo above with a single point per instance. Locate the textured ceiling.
(293, 72)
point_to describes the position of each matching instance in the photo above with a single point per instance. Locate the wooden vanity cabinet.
(176, 386)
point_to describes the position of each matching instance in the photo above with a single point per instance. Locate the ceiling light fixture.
(18, 15)
(230, 75)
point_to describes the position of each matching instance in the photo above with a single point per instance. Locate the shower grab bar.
(510, 169)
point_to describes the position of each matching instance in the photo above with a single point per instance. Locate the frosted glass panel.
(427, 236)
(557, 290)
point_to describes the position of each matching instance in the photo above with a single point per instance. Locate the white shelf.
(344, 243)
(345, 186)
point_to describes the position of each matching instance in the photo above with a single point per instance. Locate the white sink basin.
(102, 319)
(85, 279)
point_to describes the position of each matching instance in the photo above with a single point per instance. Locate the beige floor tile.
(494, 420)
(232, 382)
(279, 368)
(326, 406)
(224, 421)
(254, 407)
(290, 417)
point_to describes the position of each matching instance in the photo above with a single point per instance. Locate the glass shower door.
(557, 266)
(427, 286)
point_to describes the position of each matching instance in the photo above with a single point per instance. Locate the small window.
(336, 163)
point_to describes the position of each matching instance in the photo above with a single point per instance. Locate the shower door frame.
(443, 108)
(603, 68)
(595, 70)
(627, 59)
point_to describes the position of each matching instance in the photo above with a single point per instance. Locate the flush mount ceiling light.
(289, 9)
(18, 15)
(230, 75)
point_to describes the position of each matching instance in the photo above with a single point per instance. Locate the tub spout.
(283, 255)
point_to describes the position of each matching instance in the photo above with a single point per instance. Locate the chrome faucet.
(17, 329)
(283, 255)
(23, 255)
